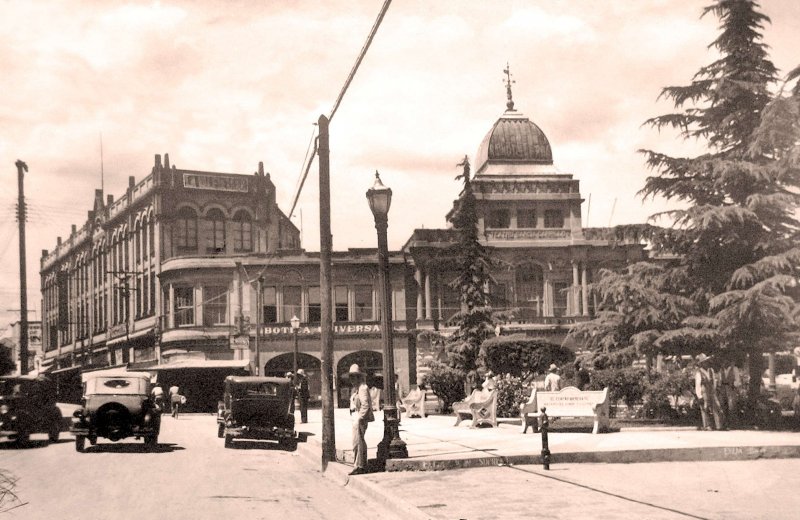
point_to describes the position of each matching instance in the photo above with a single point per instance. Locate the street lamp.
(392, 446)
(295, 321)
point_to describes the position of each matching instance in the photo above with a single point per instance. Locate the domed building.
(529, 215)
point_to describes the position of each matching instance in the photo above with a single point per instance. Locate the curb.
(372, 493)
(721, 453)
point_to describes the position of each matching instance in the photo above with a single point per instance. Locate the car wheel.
(288, 444)
(221, 430)
(80, 443)
(229, 441)
(22, 439)
(55, 431)
(151, 440)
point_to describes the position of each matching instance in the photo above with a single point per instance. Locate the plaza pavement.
(521, 487)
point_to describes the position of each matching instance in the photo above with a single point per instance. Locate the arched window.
(242, 232)
(214, 232)
(185, 232)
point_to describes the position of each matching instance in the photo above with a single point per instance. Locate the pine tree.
(736, 238)
(474, 321)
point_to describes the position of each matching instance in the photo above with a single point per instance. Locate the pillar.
(428, 303)
(585, 291)
(576, 305)
(418, 279)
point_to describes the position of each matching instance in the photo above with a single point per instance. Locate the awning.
(201, 363)
(65, 370)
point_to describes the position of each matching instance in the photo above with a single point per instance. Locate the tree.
(736, 239)
(474, 321)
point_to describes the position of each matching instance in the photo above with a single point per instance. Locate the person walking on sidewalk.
(175, 400)
(301, 387)
(552, 383)
(705, 386)
(361, 415)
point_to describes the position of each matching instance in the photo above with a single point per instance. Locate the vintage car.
(28, 405)
(116, 405)
(257, 408)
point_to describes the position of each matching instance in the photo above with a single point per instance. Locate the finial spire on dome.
(509, 81)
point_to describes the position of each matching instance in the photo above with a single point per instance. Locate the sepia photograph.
(410, 259)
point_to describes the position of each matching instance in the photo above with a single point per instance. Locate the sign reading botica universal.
(366, 328)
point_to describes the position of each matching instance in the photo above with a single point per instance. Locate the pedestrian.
(158, 396)
(729, 383)
(489, 383)
(581, 375)
(706, 383)
(552, 383)
(302, 394)
(361, 415)
(175, 399)
(290, 377)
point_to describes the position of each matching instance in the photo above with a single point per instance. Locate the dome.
(514, 139)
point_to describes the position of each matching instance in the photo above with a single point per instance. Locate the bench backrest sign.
(568, 398)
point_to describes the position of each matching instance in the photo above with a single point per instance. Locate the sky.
(222, 85)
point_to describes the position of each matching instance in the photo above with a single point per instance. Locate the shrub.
(447, 383)
(624, 384)
(661, 397)
(510, 394)
(522, 356)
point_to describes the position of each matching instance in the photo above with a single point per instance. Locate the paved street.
(190, 476)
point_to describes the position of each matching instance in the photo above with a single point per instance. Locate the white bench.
(480, 406)
(568, 402)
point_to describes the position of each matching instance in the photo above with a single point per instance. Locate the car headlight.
(4, 408)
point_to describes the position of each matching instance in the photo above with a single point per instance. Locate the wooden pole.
(23, 284)
(326, 320)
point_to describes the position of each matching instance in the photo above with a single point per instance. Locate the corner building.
(167, 278)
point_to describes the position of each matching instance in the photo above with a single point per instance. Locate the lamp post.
(392, 446)
(295, 321)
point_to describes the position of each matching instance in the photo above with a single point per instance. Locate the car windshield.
(116, 385)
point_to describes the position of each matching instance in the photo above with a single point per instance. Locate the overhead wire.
(347, 82)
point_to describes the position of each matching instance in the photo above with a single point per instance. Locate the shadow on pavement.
(129, 447)
(248, 444)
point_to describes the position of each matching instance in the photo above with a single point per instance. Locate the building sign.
(215, 182)
(366, 328)
(117, 330)
(240, 342)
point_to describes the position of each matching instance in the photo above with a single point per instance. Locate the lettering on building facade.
(527, 234)
(215, 182)
(366, 328)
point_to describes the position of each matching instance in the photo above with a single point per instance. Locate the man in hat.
(361, 415)
(552, 383)
(706, 382)
(301, 387)
(290, 377)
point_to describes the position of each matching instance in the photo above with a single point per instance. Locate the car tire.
(229, 441)
(151, 440)
(288, 444)
(80, 443)
(221, 430)
(22, 439)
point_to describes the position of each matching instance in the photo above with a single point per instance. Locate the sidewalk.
(435, 444)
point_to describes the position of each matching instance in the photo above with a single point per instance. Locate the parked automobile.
(257, 408)
(116, 405)
(28, 405)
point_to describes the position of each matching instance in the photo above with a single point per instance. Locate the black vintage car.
(28, 405)
(257, 408)
(116, 405)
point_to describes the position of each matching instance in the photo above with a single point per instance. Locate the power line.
(350, 77)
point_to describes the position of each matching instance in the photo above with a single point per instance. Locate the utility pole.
(23, 284)
(326, 320)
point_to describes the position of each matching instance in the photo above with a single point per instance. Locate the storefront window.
(291, 301)
(363, 303)
(340, 303)
(269, 305)
(184, 306)
(215, 305)
(314, 305)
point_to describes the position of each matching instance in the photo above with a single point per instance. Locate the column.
(439, 296)
(418, 279)
(585, 291)
(428, 304)
(576, 306)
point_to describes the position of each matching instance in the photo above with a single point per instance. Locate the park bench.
(568, 402)
(414, 403)
(480, 406)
